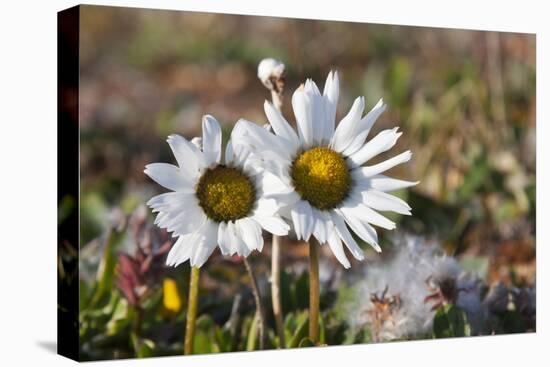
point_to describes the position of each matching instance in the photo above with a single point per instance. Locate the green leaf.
(119, 318)
(223, 339)
(145, 348)
(204, 339)
(322, 333)
(301, 330)
(106, 269)
(450, 321)
(252, 335)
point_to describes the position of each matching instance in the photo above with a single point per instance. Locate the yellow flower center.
(225, 194)
(322, 177)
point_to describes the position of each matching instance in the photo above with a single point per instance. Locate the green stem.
(191, 311)
(313, 292)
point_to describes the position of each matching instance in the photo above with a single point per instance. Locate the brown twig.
(259, 305)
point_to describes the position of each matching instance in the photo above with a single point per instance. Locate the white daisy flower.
(327, 186)
(214, 200)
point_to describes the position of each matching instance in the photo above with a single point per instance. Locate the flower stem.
(277, 98)
(276, 288)
(313, 292)
(259, 307)
(191, 311)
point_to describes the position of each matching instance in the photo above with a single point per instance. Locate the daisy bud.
(270, 72)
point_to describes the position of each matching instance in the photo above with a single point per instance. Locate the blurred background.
(465, 101)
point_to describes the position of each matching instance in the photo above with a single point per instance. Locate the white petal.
(258, 140)
(280, 126)
(169, 176)
(382, 201)
(206, 244)
(259, 149)
(380, 182)
(317, 112)
(271, 184)
(302, 219)
(345, 235)
(286, 199)
(335, 245)
(382, 142)
(366, 214)
(369, 171)
(211, 140)
(362, 229)
(251, 233)
(346, 129)
(171, 201)
(274, 225)
(235, 241)
(330, 94)
(322, 225)
(301, 105)
(266, 160)
(265, 207)
(183, 222)
(223, 240)
(180, 251)
(192, 246)
(364, 127)
(190, 159)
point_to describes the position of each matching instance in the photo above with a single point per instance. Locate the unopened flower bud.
(270, 71)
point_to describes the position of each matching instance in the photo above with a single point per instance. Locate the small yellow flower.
(171, 299)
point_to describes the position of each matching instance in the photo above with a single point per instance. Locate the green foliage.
(105, 271)
(450, 321)
(252, 339)
(296, 328)
(294, 291)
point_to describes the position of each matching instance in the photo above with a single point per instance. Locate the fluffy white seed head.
(408, 276)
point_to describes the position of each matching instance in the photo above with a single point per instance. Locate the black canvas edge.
(68, 45)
